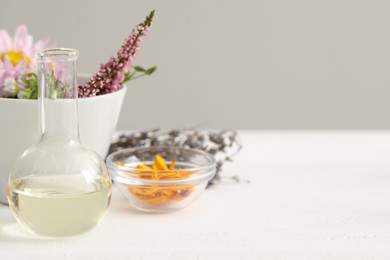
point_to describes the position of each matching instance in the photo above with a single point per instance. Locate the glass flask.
(59, 187)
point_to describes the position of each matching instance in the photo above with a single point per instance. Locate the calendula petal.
(158, 200)
(155, 175)
(120, 164)
(160, 171)
(143, 167)
(155, 166)
(172, 166)
(161, 163)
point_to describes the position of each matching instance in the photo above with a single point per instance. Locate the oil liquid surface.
(59, 205)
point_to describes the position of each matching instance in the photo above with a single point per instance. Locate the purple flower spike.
(111, 74)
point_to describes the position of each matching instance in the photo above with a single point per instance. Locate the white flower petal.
(20, 37)
(5, 41)
(9, 68)
(27, 48)
(2, 78)
(7, 63)
(39, 45)
(10, 88)
(20, 65)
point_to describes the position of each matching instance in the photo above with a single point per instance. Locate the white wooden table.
(312, 195)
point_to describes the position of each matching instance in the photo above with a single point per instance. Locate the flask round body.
(58, 187)
(66, 192)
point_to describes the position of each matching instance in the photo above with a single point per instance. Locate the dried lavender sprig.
(223, 145)
(111, 74)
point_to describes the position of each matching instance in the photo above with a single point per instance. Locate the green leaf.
(27, 94)
(34, 94)
(150, 71)
(25, 81)
(128, 76)
(138, 68)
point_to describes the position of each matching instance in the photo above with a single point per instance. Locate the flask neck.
(59, 120)
(58, 96)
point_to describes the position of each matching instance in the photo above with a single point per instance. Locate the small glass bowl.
(152, 191)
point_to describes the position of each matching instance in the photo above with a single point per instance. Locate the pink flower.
(17, 54)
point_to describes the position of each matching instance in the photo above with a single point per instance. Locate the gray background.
(249, 64)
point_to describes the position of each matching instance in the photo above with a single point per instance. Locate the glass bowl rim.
(204, 173)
